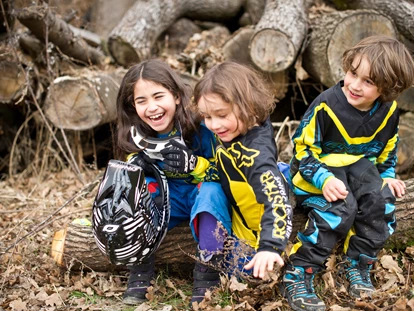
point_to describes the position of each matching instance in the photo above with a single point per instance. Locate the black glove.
(143, 161)
(178, 158)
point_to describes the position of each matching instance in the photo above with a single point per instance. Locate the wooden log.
(406, 145)
(134, 36)
(405, 100)
(12, 81)
(42, 22)
(253, 11)
(105, 15)
(75, 244)
(279, 35)
(400, 11)
(175, 39)
(83, 101)
(75, 247)
(86, 99)
(332, 33)
(236, 49)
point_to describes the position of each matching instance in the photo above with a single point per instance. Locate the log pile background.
(62, 61)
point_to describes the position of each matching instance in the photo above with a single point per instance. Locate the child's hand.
(397, 186)
(178, 158)
(334, 190)
(263, 261)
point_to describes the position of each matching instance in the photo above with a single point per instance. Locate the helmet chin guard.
(152, 146)
(128, 224)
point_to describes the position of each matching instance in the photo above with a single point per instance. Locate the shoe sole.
(133, 300)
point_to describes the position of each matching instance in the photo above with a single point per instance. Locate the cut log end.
(272, 50)
(122, 52)
(12, 81)
(350, 31)
(73, 103)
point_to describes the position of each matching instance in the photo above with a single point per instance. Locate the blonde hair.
(238, 85)
(392, 66)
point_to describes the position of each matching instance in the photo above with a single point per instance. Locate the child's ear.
(177, 100)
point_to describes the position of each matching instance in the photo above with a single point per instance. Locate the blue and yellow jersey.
(258, 193)
(334, 133)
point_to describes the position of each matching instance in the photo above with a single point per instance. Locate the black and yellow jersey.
(334, 133)
(258, 193)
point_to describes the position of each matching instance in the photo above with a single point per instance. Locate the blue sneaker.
(357, 273)
(299, 291)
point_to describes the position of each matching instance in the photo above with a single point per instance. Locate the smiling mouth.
(353, 94)
(156, 117)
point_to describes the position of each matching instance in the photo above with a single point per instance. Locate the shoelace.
(356, 275)
(301, 288)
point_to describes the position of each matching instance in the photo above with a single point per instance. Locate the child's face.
(220, 117)
(358, 88)
(155, 105)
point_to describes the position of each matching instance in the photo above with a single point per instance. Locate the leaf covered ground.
(32, 209)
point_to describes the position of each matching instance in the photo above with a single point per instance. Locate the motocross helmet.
(128, 224)
(152, 146)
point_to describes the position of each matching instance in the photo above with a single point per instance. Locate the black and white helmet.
(128, 224)
(152, 146)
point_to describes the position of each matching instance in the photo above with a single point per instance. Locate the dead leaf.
(54, 300)
(400, 304)
(329, 280)
(339, 308)
(235, 285)
(389, 263)
(272, 306)
(18, 305)
(410, 303)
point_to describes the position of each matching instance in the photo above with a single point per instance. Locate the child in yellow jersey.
(343, 169)
(235, 105)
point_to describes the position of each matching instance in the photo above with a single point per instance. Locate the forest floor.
(32, 209)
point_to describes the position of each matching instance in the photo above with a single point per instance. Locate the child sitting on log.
(343, 169)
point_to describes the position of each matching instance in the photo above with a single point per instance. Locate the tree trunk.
(406, 145)
(279, 35)
(76, 243)
(332, 33)
(75, 247)
(43, 23)
(405, 100)
(87, 99)
(105, 15)
(84, 101)
(174, 40)
(132, 40)
(12, 81)
(401, 12)
(253, 11)
(236, 49)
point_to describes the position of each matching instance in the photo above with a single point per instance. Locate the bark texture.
(401, 11)
(84, 101)
(332, 33)
(105, 15)
(279, 35)
(132, 40)
(43, 23)
(77, 244)
(236, 49)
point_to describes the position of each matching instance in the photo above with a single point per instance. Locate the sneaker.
(205, 277)
(358, 275)
(299, 291)
(139, 280)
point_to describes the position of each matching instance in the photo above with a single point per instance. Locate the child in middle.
(235, 105)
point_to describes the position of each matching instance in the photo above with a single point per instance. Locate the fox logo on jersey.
(244, 156)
